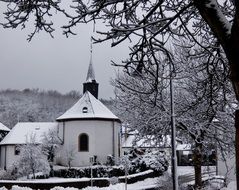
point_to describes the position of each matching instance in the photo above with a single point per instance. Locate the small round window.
(84, 109)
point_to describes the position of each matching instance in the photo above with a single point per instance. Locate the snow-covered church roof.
(22, 132)
(3, 127)
(88, 107)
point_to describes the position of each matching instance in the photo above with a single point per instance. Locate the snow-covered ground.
(145, 184)
(183, 170)
(230, 186)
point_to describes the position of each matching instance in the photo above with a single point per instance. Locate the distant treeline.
(34, 105)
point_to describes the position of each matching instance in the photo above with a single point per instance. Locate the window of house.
(17, 150)
(83, 142)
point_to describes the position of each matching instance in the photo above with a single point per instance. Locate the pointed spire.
(91, 85)
(91, 73)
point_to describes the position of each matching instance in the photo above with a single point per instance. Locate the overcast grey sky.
(58, 64)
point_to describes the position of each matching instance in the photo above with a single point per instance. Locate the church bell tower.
(91, 85)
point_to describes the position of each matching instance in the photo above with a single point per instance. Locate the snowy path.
(187, 178)
(186, 174)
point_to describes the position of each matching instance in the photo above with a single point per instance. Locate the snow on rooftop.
(148, 142)
(87, 107)
(3, 127)
(183, 146)
(22, 132)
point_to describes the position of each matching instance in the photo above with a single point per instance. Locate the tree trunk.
(197, 161)
(230, 43)
(237, 146)
(234, 76)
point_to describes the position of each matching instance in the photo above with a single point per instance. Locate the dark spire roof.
(91, 85)
(91, 73)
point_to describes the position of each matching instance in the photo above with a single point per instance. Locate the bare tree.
(51, 143)
(200, 99)
(141, 105)
(203, 96)
(32, 159)
(213, 25)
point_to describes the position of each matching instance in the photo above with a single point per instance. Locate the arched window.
(83, 142)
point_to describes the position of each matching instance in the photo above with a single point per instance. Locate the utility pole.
(126, 171)
(173, 133)
(91, 170)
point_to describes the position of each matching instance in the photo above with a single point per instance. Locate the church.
(89, 130)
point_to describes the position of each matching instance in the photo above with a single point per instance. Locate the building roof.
(22, 132)
(91, 73)
(184, 147)
(88, 107)
(3, 127)
(147, 141)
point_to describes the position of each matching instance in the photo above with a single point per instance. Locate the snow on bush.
(135, 161)
(9, 174)
(142, 160)
(51, 143)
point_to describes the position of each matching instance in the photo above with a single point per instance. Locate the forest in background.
(34, 105)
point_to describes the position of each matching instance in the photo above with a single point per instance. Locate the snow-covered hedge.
(8, 174)
(97, 171)
(134, 162)
(142, 160)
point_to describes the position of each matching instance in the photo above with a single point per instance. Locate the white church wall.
(100, 140)
(103, 140)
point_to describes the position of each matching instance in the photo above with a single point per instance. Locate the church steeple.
(91, 85)
(91, 73)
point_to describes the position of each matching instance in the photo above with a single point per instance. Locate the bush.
(141, 160)
(97, 171)
(10, 174)
(135, 161)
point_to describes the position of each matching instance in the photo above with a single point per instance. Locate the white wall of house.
(103, 140)
(8, 156)
(3, 160)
